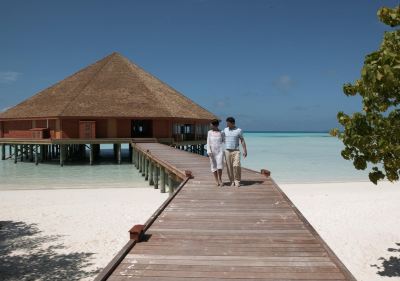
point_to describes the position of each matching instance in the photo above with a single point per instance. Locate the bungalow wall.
(101, 128)
(124, 129)
(70, 128)
(17, 129)
(162, 128)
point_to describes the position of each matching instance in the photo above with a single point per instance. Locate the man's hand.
(209, 154)
(244, 154)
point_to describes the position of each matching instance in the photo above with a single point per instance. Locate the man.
(232, 152)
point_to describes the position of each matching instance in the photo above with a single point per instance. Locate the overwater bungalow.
(112, 101)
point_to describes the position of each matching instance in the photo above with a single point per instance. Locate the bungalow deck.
(204, 232)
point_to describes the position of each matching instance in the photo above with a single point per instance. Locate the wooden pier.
(66, 150)
(204, 232)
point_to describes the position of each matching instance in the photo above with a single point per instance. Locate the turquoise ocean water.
(291, 157)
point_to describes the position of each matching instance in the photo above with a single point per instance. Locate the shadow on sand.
(390, 267)
(26, 254)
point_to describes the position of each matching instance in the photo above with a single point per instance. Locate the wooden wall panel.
(101, 128)
(17, 129)
(124, 128)
(70, 128)
(162, 129)
(111, 128)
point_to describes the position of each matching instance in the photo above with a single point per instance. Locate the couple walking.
(216, 151)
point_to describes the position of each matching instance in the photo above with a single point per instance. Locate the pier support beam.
(130, 153)
(42, 155)
(3, 152)
(143, 164)
(62, 154)
(31, 152)
(15, 153)
(146, 168)
(137, 159)
(170, 187)
(140, 166)
(118, 153)
(151, 181)
(36, 155)
(162, 180)
(156, 175)
(91, 159)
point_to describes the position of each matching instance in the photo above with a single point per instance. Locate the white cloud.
(9, 76)
(284, 84)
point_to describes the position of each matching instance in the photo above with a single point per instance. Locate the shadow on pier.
(27, 254)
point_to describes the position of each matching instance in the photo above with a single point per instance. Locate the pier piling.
(3, 152)
(162, 180)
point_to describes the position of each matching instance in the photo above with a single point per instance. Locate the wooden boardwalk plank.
(210, 233)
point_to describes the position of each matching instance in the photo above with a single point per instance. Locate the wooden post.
(15, 153)
(48, 152)
(22, 152)
(265, 172)
(170, 187)
(146, 168)
(3, 152)
(132, 154)
(31, 152)
(143, 165)
(9, 151)
(162, 180)
(91, 154)
(36, 154)
(151, 181)
(140, 166)
(41, 153)
(136, 232)
(62, 153)
(137, 159)
(155, 176)
(118, 153)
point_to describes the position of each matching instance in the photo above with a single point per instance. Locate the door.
(142, 128)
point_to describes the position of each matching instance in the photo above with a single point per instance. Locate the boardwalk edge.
(113, 264)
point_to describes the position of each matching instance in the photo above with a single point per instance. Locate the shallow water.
(291, 157)
(300, 157)
(26, 175)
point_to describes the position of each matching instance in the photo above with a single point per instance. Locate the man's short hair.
(231, 120)
(215, 122)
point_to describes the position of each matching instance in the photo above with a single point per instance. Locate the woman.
(215, 151)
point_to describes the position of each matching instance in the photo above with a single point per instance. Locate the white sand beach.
(358, 220)
(68, 234)
(74, 232)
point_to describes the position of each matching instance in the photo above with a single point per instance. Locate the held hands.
(209, 154)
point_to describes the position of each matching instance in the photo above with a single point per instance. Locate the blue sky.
(274, 65)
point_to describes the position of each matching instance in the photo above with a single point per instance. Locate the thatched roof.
(111, 87)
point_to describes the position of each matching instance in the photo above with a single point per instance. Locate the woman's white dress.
(215, 140)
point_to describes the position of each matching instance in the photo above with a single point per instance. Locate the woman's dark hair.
(215, 122)
(231, 120)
